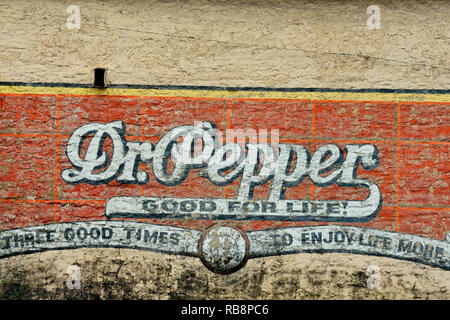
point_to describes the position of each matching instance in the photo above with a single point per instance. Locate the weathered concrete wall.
(273, 44)
(118, 273)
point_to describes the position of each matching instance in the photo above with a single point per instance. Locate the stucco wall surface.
(229, 43)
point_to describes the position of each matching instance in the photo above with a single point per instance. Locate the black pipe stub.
(223, 249)
(100, 78)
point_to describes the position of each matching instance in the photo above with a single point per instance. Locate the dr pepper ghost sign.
(190, 176)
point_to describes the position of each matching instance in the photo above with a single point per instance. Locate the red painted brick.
(424, 174)
(76, 111)
(27, 114)
(424, 121)
(164, 114)
(432, 223)
(79, 211)
(354, 120)
(193, 186)
(290, 117)
(383, 221)
(18, 214)
(26, 167)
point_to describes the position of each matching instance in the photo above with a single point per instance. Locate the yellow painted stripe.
(356, 96)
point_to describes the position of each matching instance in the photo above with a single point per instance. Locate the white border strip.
(263, 243)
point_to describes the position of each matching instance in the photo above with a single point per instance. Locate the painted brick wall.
(413, 139)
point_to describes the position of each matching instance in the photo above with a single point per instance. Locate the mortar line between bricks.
(397, 169)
